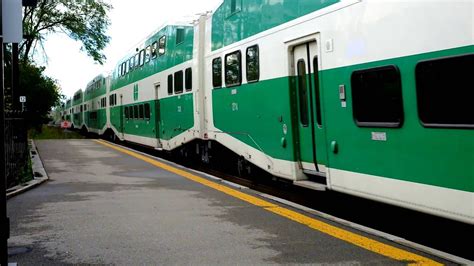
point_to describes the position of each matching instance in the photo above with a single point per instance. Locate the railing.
(16, 147)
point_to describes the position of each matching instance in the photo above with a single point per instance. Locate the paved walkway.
(102, 206)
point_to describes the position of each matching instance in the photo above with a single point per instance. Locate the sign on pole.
(12, 21)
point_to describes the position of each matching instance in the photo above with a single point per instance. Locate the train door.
(311, 132)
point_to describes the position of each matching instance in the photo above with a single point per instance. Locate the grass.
(49, 132)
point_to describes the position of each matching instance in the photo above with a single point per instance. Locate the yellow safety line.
(358, 240)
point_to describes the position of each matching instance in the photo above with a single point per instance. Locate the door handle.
(334, 147)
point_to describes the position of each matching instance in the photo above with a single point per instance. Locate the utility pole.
(4, 222)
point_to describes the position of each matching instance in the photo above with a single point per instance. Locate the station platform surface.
(105, 204)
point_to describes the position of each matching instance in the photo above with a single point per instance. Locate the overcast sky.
(131, 22)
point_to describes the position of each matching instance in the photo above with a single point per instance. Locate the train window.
(80, 108)
(131, 63)
(141, 57)
(126, 112)
(85, 107)
(253, 71)
(178, 82)
(130, 114)
(188, 84)
(217, 72)
(170, 84)
(179, 36)
(147, 54)
(147, 111)
(154, 46)
(162, 45)
(303, 93)
(137, 60)
(110, 101)
(377, 97)
(444, 90)
(233, 69)
(140, 108)
(135, 111)
(119, 70)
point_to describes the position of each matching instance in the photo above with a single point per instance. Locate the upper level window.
(170, 84)
(377, 97)
(445, 92)
(162, 45)
(137, 60)
(253, 68)
(142, 57)
(147, 54)
(217, 72)
(178, 82)
(154, 47)
(179, 35)
(131, 63)
(233, 69)
(188, 84)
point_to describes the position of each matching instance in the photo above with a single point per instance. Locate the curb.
(38, 170)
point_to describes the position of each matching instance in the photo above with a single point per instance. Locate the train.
(368, 98)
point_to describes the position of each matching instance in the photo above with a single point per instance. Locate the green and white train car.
(374, 98)
(369, 98)
(151, 93)
(95, 103)
(77, 110)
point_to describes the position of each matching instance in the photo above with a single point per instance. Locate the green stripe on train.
(442, 157)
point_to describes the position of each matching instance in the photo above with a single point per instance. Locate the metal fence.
(16, 147)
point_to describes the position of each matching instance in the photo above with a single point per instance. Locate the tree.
(85, 21)
(42, 93)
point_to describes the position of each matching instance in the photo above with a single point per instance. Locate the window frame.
(181, 34)
(147, 54)
(141, 57)
(136, 114)
(178, 81)
(220, 73)
(147, 111)
(384, 124)
(141, 112)
(227, 84)
(154, 50)
(247, 64)
(419, 100)
(188, 79)
(170, 84)
(161, 53)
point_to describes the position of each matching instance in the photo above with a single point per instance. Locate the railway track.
(438, 236)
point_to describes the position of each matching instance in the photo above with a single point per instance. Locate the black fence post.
(4, 223)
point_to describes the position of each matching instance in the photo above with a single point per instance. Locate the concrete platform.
(103, 206)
